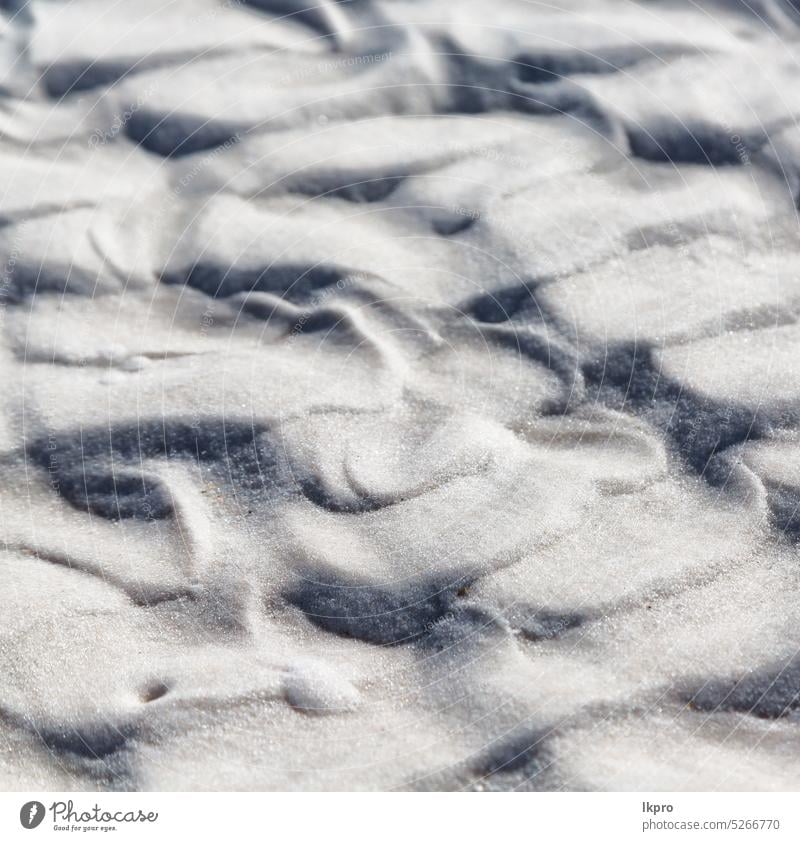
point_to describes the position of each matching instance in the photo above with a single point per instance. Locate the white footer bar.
(290, 816)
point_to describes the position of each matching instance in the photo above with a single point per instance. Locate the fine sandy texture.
(399, 394)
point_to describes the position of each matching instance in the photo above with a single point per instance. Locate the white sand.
(399, 395)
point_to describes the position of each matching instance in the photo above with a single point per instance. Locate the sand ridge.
(397, 395)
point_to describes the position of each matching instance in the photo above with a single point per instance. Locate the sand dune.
(399, 394)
